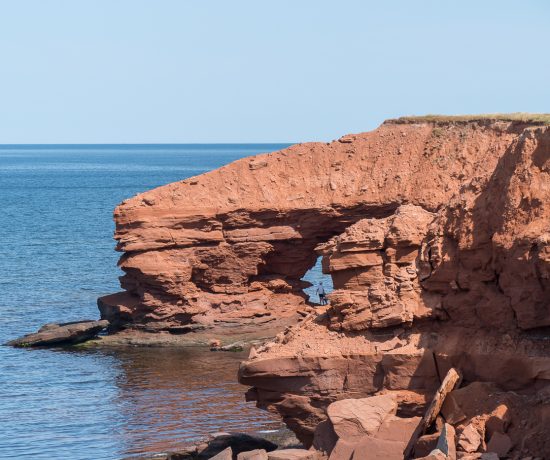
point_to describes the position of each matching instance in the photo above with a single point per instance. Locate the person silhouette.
(321, 293)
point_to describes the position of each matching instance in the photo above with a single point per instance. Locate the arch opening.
(313, 277)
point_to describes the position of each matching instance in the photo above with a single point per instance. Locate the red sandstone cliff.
(436, 234)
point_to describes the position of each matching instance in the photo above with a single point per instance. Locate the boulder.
(469, 439)
(452, 411)
(226, 454)
(256, 454)
(293, 454)
(238, 442)
(446, 442)
(498, 420)
(354, 418)
(397, 429)
(425, 444)
(370, 448)
(343, 450)
(61, 334)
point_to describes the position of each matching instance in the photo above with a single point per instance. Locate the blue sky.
(102, 71)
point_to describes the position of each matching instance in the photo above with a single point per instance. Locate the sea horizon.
(144, 144)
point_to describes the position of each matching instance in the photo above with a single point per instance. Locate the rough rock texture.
(366, 429)
(229, 247)
(293, 454)
(436, 235)
(225, 444)
(458, 277)
(354, 418)
(61, 334)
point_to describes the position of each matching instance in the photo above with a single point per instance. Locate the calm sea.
(56, 258)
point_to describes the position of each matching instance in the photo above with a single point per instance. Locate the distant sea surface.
(56, 258)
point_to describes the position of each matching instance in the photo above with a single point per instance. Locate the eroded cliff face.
(464, 284)
(436, 235)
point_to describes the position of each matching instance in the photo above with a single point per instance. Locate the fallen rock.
(397, 429)
(238, 442)
(498, 420)
(451, 410)
(226, 454)
(256, 454)
(354, 418)
(446, 442)
(447, 385)
(469, 439)
(370, 448)
(61, 334)
(425, 444)
(293, 454)
(343, 450)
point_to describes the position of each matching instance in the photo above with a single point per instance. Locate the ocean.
(57, 257)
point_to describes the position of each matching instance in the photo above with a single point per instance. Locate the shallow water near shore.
(57, 256)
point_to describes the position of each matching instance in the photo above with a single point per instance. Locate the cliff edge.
(436, 234)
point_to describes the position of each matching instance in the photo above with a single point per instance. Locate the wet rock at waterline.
(222, 445)
(61, 334)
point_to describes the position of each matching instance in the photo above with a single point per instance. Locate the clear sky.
(132, 71)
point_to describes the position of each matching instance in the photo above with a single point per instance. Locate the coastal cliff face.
(436, 235)
(457, 279)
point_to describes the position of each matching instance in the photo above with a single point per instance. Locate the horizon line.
(36, 144)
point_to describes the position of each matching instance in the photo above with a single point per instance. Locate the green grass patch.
(529, 118)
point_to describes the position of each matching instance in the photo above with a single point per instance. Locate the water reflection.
(108, 404)
(169, 398)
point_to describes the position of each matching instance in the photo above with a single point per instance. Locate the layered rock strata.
(463, 284)
(435, 232)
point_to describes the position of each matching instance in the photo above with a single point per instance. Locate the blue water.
(56, 258)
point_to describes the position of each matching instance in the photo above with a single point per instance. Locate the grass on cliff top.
(535, 118)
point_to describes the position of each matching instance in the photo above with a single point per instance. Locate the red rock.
(452, 411)
(469, 439)
(343, 450)
(425, 444)
(446, 442)
(436, 454)
(193, 255)
(436, 235)
(352, 419)
(257, 454)
(397, 429)
(61, 334)
(370, 448)
(498, 420)
(226, 454)
(293, 454)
